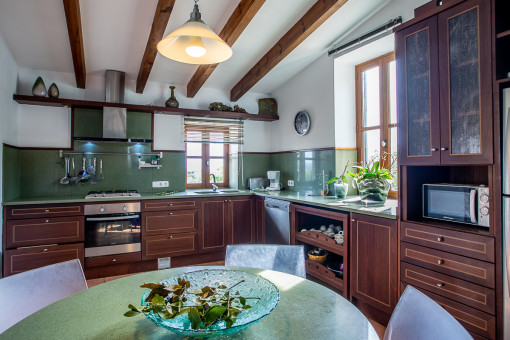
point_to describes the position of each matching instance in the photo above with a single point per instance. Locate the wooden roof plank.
(316, 15)
(73, 19)
(161, 17)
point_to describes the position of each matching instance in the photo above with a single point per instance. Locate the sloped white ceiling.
(115, 34)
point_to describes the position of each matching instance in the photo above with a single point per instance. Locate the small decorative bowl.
(318, 256)
(254, 285)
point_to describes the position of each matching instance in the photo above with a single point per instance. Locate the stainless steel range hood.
(114, 118)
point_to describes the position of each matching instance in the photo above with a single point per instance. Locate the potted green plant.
(372, 182)
(340, 184)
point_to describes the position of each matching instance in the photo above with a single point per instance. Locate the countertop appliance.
(256, 183)
(457, 203)
(274, 180)
(277, 221)
(113, 194)
(112, 228)
(505, 119)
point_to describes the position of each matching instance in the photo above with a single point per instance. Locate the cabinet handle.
(444, 149)
(170, 213)
(114, 260)
(440, 261)
(46, 221)
(440, 284)
(45, 249)
(170, 204)
(170, 236)
(433, 149)
(225, 200)
(440, 239)
(353, 220)
(46, 210)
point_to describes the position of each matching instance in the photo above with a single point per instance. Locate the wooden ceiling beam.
(235, 25)
(73, 19)
(161, 17)
(316, 15)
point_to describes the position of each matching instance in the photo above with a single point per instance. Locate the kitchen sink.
(224, 191)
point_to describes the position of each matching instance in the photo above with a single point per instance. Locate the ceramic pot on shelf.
(39, 89)
(172, 102)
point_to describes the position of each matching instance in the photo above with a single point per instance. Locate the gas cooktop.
(113, 194)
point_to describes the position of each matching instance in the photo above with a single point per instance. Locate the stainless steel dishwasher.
(277, 217)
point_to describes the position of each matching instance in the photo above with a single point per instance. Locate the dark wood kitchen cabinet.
(444, 93)
(374, 265)
(226, 220)
(169, 228)
(40, 235)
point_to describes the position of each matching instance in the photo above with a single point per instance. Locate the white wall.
(168, 134)
(311, 91)
(8, 107)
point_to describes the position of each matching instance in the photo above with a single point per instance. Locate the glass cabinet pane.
(464, 83)
(418, 93)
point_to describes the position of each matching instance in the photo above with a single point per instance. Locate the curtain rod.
(375, 34)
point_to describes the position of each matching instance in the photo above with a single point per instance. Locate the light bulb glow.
(195, 47)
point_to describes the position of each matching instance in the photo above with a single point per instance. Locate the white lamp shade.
(174, 45)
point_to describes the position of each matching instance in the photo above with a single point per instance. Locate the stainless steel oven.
(112, 228)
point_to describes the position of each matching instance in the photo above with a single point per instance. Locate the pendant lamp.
(194, 43)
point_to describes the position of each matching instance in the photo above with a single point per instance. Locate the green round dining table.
(306, 310)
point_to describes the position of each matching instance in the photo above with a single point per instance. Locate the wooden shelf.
(322, 273)
(88, 104)
(318, 239)
(504, 80)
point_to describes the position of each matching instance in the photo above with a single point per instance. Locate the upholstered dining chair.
(418, 317)
(25, 293)
(282, 258)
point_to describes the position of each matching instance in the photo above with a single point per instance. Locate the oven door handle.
(116, 218)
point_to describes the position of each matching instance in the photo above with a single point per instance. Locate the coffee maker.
(274, 180)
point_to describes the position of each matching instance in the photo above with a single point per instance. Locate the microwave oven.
(457, 203)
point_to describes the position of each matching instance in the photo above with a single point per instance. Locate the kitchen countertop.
(350, 203)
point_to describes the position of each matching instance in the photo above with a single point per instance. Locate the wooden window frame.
(384, 110)
(205, 184)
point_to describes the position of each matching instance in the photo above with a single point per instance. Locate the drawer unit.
(177, 221)
(455, 265)
(465, 244)
(157, 246)
(473, 320)
(112, 259)
(35, 211)
(168, 204)
(22, 259)
(39, 231)
(468, 293)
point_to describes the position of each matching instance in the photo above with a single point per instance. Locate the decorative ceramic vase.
(53, 91)
(172, 102)
(268, 106)
(374, 190)
(340, 189)
(39, 89)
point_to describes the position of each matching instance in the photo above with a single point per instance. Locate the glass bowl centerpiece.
(210, 302)
(372, 183)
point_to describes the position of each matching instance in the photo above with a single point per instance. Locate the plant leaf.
(158, 300)
(214, 313)
(332, 180)
(242, 300)
(194, 318)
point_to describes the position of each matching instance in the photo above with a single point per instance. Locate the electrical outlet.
(160, 184)
(290, 183)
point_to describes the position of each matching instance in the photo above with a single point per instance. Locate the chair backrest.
(25, 293)
(418, 317)
(282, 258)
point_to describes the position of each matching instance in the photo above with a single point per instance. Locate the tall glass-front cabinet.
(445, 100)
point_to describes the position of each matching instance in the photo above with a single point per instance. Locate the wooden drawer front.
(473, 320)
(20, 260)
(39, 231)
(158, 205)
(475, 246)
(34, 211)
(476, 296)
(168, 245)
(165, 222)
(112, 259)
(455, 265)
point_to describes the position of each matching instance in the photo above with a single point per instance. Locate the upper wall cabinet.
(445, 87)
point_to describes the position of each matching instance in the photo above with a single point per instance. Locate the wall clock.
(302, 123)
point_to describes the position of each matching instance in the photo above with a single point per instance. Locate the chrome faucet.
(214, 186)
